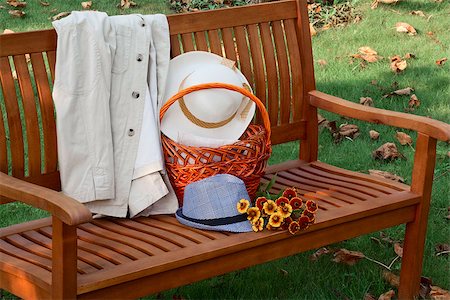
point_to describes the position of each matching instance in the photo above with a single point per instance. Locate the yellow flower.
(253, 214)
(285, 210)
(242, 206)
(275, 220)
(258, 225)
(270, 207)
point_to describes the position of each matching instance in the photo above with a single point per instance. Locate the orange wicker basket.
(246, 158)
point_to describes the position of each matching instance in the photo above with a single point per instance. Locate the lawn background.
(297, 277)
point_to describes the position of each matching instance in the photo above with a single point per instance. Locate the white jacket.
(110, 72)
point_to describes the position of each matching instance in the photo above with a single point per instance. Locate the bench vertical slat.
(31, 119)
(175, 45)
(258, 66)
(47, 111)
(13, 115)
(283, 69)
(296, 67)
(3, 150)
(214, 42)
(51, 55)
(200, 41)
(243, 53)
(188, 44)
(228, 43)
(271, 71)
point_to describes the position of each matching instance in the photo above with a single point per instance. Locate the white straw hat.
(210, 113)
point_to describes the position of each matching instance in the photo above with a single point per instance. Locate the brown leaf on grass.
(368, 296)
(405, 27)
(398, 249)
(417, 13)
(391, 278)
(387, 151)
(409, 55)
(125, 4)
(397, 64)
(348, 131)
(374, 135)
(348, 257)
(413, 102)
(386, 175)
(17, 13)
(319, 253)
(322, 62)
(442, 249)
(43, 3)
(441, 62)
(60, 15)
(401, 92)
(368, 54)
(403, 138)
(312, 30)
(375, 3)
(86, 5)
(7, 31)
(387, 296)
(366, 101)
(17, 3)
(438, 293)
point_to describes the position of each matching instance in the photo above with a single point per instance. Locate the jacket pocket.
(123, 45)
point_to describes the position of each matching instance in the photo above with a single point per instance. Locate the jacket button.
(135, 95)
(130, 132)
(140, 57)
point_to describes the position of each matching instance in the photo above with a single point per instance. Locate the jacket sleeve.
(81, 95)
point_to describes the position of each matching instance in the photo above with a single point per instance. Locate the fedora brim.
(174, 121)
(243, 226)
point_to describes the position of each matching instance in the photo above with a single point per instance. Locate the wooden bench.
(71, 255)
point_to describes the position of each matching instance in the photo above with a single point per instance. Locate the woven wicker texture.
(246, 159)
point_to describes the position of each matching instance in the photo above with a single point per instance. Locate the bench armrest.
(66, 209)
(433, 128)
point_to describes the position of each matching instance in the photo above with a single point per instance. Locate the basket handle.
(216, 85)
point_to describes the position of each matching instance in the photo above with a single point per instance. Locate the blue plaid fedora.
(210, 204)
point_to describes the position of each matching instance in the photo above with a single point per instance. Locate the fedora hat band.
(214, 222)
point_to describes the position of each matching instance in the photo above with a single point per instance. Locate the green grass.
(325, 279)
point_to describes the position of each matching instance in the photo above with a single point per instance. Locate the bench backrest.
(270, 43)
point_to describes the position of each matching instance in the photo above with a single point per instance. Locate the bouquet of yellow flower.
(288, 212)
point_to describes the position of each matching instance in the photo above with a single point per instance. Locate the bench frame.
(239, 251)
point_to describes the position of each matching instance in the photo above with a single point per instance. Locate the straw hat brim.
(175, 122)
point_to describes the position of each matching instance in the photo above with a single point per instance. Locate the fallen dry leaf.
(367, 53)
(417, 13)
(391, 278)
(409, 55)
(441, 62)
(438, 293)
(348, 130)
(368, 296)
(312, 30)
(403, 138)
(319, 253)
(17, 3)
(17, 13)
(86, 5)
(387, 151)
(374, 135)
(320, 119)
(387, 296)
(397, 64)
(125, 4)
(367, 50)
(322, 62)
(375, 3)
(413, 102)
(398, 249)
(7, 31)
(442, 249)
(366, 101)
(44, 3)
(60, 16)
(348, 257)
(386, 175)
(401, 92)
(405, 27)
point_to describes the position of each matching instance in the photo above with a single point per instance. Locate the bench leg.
(413, 248)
